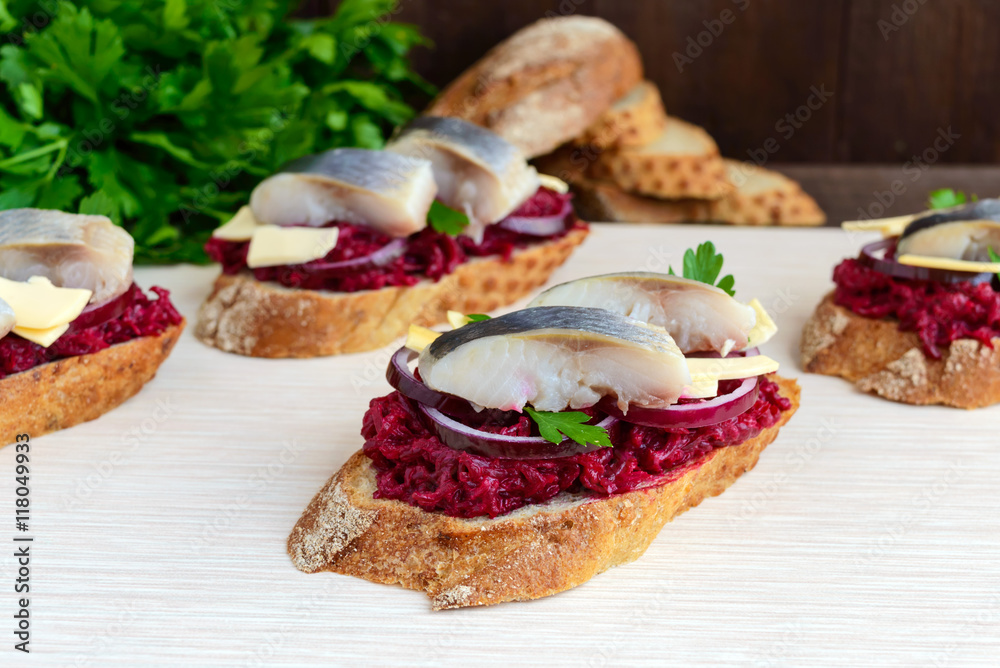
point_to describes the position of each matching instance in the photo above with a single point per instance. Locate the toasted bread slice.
(760, 197)
(530, 553)
(78, 389)
(764, 197)
(636, 119)
(248, 317)
(546, 83)
(881, 359)
(682, 162)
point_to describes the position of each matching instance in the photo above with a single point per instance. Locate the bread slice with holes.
(760, 197)
(879, 358)
(246, 316)
(683, 161)
(532, 552)
(545, 84)
(636, 119)
(74, 390)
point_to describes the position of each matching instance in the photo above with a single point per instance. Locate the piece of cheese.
(765, 327)
(703, 389)
(272, 245)
(949, 263)
(889, 227)
(43, 337)
(456, 319)
(554, 183)
(38, 304)
(704, 369)
(239, 228)
(418, 338)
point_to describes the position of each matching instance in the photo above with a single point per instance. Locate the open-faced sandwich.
(77, 336)
(341, 251)
(916, 316)
(526, 453)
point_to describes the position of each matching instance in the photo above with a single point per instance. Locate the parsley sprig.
(444, 219)
(947, 197)
(572, 425)
(705, 265)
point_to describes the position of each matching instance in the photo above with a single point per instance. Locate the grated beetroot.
(415, 467)
(939, 313)
(428, 254)
(143, 317)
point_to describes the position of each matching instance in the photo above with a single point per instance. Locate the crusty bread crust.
(246, 316)
(546, 83)
(636, 120)
(881, 359)
(530, 553)
(78, 389)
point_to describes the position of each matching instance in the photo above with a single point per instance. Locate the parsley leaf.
(477, 317)
(572, 425)
(947, 197)
(705, 265)
(446, 220)
(165, 115)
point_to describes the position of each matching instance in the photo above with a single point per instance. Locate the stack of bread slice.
(576, 83)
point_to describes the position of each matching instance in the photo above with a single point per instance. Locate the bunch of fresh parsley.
(163, 114)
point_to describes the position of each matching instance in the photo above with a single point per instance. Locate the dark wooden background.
(892, 94)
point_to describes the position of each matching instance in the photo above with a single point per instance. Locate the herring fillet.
(7, 318)
(699, 317)
(384, 191)
(554, 358)
(477, 171)
(71, 250)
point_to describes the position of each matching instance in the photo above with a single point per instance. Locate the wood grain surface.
(867, 534)
(898, 70)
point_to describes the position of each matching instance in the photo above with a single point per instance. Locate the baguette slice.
(533, 552)
(78, 389)
(682, 162)
(636, 119)
(764, 197)
(877, 357)
(546, 83)
(761, 197)
(248, 317)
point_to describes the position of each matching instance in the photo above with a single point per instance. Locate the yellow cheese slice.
(272, 245)
(554, 183)
(456, 319)
(765, 327)
(43, 337)
(889, 227)
(704, 369)
(704, 389)
(38, 304)
(949, 264)
(239, 228)
(418, 338)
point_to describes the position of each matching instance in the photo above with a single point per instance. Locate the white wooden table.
(869, 532)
